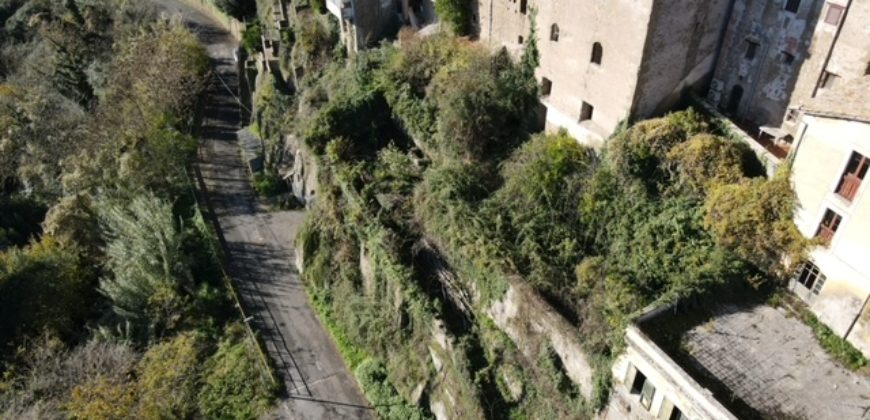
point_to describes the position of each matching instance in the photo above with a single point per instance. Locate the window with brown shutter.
(828, 226)
(854, 174)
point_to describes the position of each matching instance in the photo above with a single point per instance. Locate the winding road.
(259, 249)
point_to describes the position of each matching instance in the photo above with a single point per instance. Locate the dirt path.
(260, 252)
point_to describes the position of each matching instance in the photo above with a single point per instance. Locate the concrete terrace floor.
(775, 365)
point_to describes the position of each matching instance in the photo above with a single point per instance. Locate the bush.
(456, 13)
(755, 219)
(269, 184)
(252, 37)
(233, 382)
(238, 9)
(167, 376)
(372, 376)
(42, 288)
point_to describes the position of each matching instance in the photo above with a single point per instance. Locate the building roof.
(759, 362)
(846, 100)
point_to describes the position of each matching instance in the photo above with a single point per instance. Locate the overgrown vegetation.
(434, 199)
(111, 295)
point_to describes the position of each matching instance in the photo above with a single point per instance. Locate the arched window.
(554, 32)
(597, 52)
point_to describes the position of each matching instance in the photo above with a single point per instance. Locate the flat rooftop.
(760, 362)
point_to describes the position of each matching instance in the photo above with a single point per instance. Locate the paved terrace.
(761, 363)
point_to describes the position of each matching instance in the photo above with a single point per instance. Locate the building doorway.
(734, 100)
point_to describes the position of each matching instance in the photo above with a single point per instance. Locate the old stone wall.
(529, 321)
(765, 49)
(849, 55)
(680, 52)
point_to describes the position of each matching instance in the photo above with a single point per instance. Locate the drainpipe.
(831, 48)
(794, 151)
(855, 321)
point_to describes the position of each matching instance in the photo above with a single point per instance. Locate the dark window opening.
(751, 49)
(829, 225)
(792, 5)
(676, 414)
(546, 86)
(597, 53)
(586, 111)
(852, 177)
(637, 384)
(554, 32)
(835, 12)
(734, 99)
(867, 70)
(523, 6)
(811, 277)
(787, 58)
(520, 39)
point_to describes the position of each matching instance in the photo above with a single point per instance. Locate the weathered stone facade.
(606, 62)
(779, 55)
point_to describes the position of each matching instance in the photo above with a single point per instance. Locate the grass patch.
(269, 184)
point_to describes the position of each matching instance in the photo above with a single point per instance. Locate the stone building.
(365, 22)
(778, 55)
(605, 62)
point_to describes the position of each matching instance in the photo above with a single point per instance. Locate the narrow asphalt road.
(260, 252)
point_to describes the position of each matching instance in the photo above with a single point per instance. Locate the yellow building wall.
(819, 163)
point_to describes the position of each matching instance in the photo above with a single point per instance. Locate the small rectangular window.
(520, 39)
(787, 58)
(586, 111)
(835, 12)
(523, 6)
(811, 277)
(676, 414)
(829, 80)
(751, 49)
(647, 394)
(792, 5)
(546, 86)
(853, 175)
(637, 383)
(829, 225)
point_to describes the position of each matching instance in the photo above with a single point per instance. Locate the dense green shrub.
(42, 288)
(269, 184)
(233, 382)
(456, 13)
(239, 9)
(755, 219)
(372, 375)
(251, 37)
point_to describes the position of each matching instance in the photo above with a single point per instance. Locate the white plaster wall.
(818, 165)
